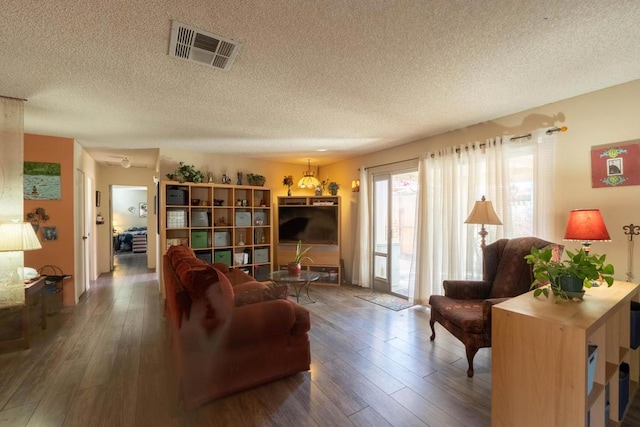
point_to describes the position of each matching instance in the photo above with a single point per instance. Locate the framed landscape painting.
(42, 181)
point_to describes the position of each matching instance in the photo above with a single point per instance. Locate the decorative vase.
(333, 192)
(294, 268)
(318, 191)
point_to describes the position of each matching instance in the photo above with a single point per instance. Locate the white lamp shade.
(483, 213)
(18, 236)
(125, 163)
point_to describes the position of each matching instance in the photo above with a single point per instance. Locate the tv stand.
(325, 254)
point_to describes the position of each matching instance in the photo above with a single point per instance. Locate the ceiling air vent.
(202, 47)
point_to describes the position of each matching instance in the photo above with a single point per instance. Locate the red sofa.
(228, 338)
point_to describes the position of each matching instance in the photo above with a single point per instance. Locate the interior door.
(81, 231)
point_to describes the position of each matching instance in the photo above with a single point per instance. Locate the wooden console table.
(31, 289)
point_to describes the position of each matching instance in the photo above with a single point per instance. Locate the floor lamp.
(483, 214)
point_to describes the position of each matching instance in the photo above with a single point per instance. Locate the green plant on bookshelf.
(333, 188)
(186, 173)
(567, 278)
(256, 179)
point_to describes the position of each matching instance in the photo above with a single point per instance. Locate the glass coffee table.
(300, 282)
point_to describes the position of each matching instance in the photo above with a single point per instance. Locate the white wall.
(602, 117)
(123, 200)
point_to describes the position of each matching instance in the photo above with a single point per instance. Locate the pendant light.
(125, 163)
(308, 180)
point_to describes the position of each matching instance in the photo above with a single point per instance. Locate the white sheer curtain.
(362, 247)
(516, 177)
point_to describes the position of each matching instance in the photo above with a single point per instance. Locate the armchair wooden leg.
(433, 329)
(471, 352)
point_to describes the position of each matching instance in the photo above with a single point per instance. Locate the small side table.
(299, 282)
(30, 290)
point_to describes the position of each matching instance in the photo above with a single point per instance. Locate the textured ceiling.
(347, 76)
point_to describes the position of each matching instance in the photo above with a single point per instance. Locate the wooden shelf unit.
(227, 221)
(539, 358)
(326, 257)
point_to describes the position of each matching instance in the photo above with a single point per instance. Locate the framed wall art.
(42, 181)
(615, 165)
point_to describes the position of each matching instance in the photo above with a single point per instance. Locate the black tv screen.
(311, 224)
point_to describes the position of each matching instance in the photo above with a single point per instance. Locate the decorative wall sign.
(615, 165)
(143, 209)
(42, 181)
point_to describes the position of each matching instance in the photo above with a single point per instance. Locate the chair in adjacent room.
(465, 308)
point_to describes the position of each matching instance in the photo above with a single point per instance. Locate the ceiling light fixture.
(125, 163)
(308, 180)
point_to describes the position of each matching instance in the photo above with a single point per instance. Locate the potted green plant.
(294, 266)
(567, 278)
(333, 188)
(186, 173)
(36, 216)
(256, 179)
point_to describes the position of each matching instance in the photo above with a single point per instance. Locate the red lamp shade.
(586, 225)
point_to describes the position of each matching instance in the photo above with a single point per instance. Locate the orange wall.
(60, 252)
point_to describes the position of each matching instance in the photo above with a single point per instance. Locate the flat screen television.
(311, 224)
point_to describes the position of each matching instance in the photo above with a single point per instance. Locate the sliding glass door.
(394, 230)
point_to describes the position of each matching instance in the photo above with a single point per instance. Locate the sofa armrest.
(467, 289)
(260, 321)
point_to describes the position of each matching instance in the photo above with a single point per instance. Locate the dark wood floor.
(106, 362)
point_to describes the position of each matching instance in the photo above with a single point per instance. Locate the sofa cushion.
(252, 292)
(178, 252)
(186, 269)
(465, 314)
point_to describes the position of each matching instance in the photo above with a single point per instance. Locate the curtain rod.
(548, 132)
(14, 98)
(515, 138)
(391, 163)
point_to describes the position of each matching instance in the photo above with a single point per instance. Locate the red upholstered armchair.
(465, 308)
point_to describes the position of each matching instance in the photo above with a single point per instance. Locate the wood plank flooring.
(106, 362)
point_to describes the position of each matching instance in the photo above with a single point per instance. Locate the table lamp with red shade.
(586, 226)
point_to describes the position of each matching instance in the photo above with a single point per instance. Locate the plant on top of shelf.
(256, 179)
(333, 188)
(294, 266)
(186, 173)
(567, 278)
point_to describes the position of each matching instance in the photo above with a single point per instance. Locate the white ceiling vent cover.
(202, 47)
